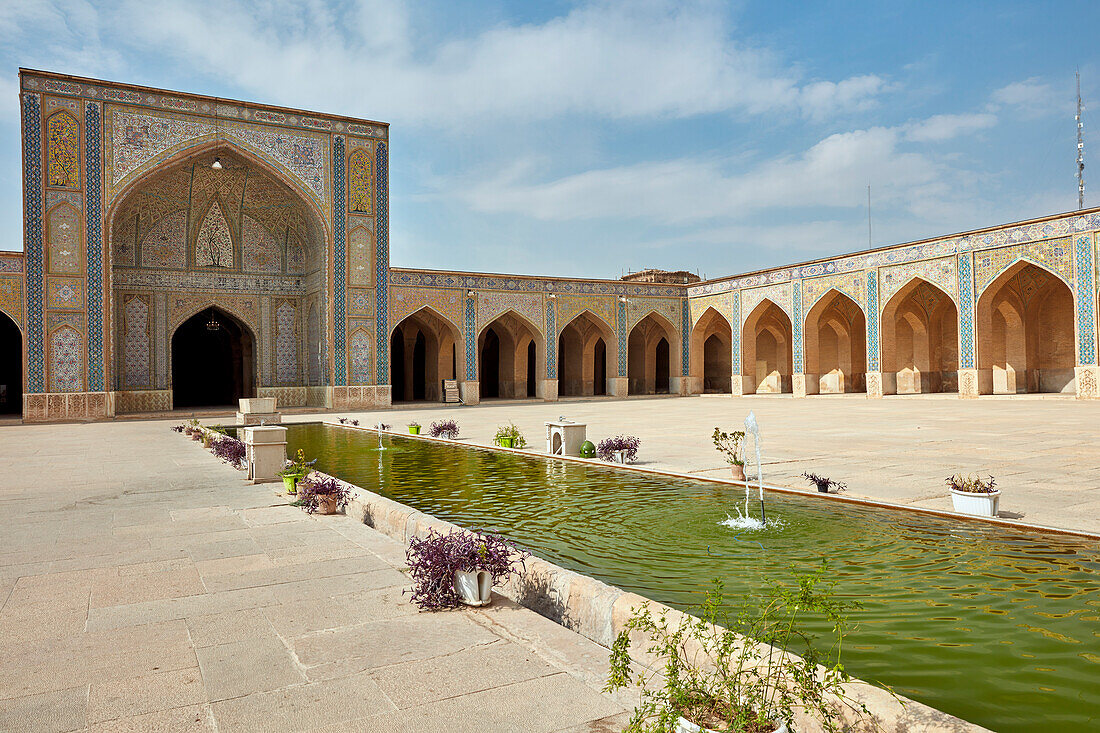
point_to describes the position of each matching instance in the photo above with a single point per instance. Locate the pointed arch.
(425, 348)
(360, 182)
(11, 365)
(1025, 332)
(767, 339)
(835, 342)
(66, 360)
(919, 339)
(64, 240)
(212, 366)
(582, 361)
(511, 354)
(214, 243)
(651, 344)
(711, 353)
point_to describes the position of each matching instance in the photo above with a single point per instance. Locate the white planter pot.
(618, 456)
(683, 725)
(474, 588)
(978, 505)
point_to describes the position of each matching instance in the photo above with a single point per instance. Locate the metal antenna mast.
(1080, 149)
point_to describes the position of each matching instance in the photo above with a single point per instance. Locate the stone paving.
(1041, 449)
(144, 586)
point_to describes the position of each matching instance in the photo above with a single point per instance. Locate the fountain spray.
(754, 429)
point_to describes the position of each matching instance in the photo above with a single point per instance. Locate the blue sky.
(590, 138)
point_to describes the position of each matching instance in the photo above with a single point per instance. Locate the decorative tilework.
(941, 272)
(160, 317)
(471, 339)
(720, 302)
(135, 344)
(64, 292)
(314, 345)
(360, 195)
(286, 345)
(797, 326)
(259, 250)
(360, 256)
(1086, 299)
(182, 306)
(446, 302)
(137, 140)
(781, 294)
(266, 349)
(32, 238)
(685, 339)
(214, 243)
(11, 262)
(66, 360)
(339, 273)
(966, 312)
(166, 243)
(735, 330)
(361, 302)
(872, 321)
(620, 326)
(11, 298)
(850, 283)
(433, 278)
(62, 151)
(1054, 254)
(552, 341)
(492, 304)
(360, 357)
(64, 253)
(639, 308)
(382, 258)
(568, 307)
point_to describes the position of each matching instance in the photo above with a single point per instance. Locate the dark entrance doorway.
(531, 369)
(599, 368)
(661, 376)
(397, 365)
(11, 367)
(490, 365)
(212, 361)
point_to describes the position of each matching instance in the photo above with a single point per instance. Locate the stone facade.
(131, 231)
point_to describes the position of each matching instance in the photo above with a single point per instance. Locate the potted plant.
(295, 471)
(509, 436)
(619, 449)
(732, 446)
(972, 495)
(824, 483)
(748, 669)
(323, 495)
(459, 567)
(414, 428)
(445, 428)
(230, 450)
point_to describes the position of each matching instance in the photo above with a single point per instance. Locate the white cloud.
(939, 128)
(629, 60)
(1029, 98)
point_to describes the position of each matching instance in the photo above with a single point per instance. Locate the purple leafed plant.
(608, 446)
(312, 490)
(434, 558)
(343, 420)
(230, 450)
(443, 429)
(177, 428)
(354, 422)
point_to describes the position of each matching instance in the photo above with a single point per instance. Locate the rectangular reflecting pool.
(996, 626)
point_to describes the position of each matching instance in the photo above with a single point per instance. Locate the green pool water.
(999, 627)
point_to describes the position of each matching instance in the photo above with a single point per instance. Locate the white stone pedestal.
(265, 452)
(257, 411)
(565, 438)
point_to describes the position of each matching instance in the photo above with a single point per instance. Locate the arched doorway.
(1025, 334)
(509, 350)
(422, 354)
(920, 341)
(836, 346)
(582, 356)
(11, 367)
(766, 356)
(213, 361)
(649, 365)
(711, 353)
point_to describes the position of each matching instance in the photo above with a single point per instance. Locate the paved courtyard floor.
(1043, 450)
(144, 586)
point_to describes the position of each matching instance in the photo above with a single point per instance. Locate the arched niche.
(424, 350)
(11, 366)
(582, 356)
(650, 347)
(766, 350)
(835, 346)
(711, 356)
(920, 340)
(1024, 329)
(213, 360)
(510, 354)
